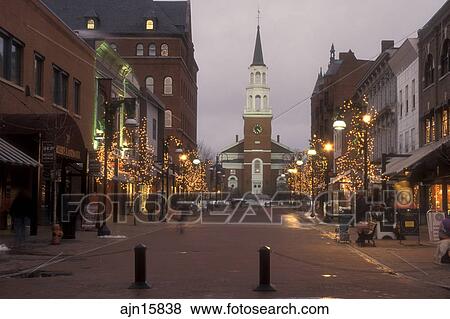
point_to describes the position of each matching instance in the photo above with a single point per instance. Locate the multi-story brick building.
(155, 38)
(47, 90)
(332, 89)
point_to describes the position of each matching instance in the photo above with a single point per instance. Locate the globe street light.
(339, 125)
(196, 161)
(312, 152)
(299, 162)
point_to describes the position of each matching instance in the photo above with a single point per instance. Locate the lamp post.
(311, 153)
(366, 120)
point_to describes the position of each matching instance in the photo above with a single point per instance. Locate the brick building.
(47, 91)
(337, 85)
(256, 163)
(155, 38)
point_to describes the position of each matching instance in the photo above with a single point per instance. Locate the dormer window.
(150, 25)
(90, 24)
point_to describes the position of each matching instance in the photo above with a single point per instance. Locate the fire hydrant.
(56, 234)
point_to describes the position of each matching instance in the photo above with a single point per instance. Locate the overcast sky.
(296, 39)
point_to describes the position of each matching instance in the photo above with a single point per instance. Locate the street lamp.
(328, 147)
(311, 153)
(339, 125)
(366, 119)
(299, 162)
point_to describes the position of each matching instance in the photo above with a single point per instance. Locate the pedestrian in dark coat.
(21, 211)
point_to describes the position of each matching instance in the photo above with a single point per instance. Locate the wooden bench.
(367, 235)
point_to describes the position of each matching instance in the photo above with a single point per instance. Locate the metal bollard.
(140, 271)
(264, 270)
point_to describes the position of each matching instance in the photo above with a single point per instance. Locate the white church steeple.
(258, 90)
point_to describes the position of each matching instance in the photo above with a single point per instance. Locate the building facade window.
(152, 49)
(427, 131)
(168, 118)
(164, 49)
(413, 92)
(155, 129)
(445, 58)
(90, 24)
(433, 129)
(400, 98)
(413, 139)
(444, 122)
(11, 59)
(429, 70)
(406, 142)
(60, 82)
(150, 25)
(38, 74)
(113, 46)
(139, 49)
(406, 100)
(257, 166)
(252, 78)
(400, 144)
(77, 97)
(150, 84)
(168, 86)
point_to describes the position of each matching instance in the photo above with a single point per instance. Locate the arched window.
(258, 78)
(152, 49)
(149, 25)
(264, 78)
(265, 102)
(252, 78)
(250, 102)
(164, 50)
(429, 70)
(168, 87)
(113, 46)
(150, 84)
(445, 58)
(90, 25)
(257, 166)
(257, 103)
(140, 49)
(168, 118)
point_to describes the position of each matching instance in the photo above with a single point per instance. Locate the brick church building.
(256, 163)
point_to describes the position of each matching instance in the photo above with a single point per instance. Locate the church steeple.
(258, 59)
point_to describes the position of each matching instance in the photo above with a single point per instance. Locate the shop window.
(435, 197)
(433, 129)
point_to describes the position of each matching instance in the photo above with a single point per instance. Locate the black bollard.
(264, 270)
(140, 271)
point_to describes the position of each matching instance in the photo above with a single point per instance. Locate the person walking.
(442, 254)
(21, 210)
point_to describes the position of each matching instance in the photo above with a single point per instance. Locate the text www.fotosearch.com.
(230, 309)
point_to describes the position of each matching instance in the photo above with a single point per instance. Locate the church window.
(168, 88)
(149, 25)
(164, 50)
(150, 84)
(258, 78)
(258, 103)
(264, 78)
(257, 166)
(90, 25)
(140, 49)
(152, 49)
(168, 118)
(252, 78)
(265, 103)
(250, 100)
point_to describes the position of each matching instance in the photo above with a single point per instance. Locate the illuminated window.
(164, 50)
(168, 86)
(433, 129)
(444, 123)
(168, 118)
(90, 25)
(140, 49)
(257, 166)
(152, 49)
(427, 131)
(149, 25)
(150, 84)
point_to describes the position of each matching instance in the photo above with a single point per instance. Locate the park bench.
(367, 234)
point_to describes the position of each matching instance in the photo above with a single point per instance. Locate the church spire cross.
(258, 59)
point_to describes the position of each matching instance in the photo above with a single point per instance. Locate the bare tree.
(205, 152)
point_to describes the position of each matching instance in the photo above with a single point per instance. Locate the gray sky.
(296, 38)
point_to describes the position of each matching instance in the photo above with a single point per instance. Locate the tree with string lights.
(192, 174)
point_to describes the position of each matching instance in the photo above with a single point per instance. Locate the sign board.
(434, 220)
(409, 222)
(95, 166)
(48, 153)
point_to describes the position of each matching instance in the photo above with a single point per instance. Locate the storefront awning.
(397, 166)
(13, 156)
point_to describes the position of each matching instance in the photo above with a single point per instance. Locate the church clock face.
(257, 129)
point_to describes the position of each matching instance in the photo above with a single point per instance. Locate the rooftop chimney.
(387, 44)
